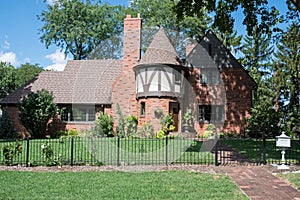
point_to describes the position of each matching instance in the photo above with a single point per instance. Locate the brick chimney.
(132, 41)
(124, 88)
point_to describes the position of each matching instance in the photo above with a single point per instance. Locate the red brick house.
(209, 81)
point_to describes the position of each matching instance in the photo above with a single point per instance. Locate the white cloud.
(6, 43)
(58, 59)
(9, 57)
(56, 67)
(27, 60)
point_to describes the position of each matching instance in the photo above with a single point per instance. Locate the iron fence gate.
(254, 151)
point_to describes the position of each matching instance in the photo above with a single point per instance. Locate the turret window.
(143, 109)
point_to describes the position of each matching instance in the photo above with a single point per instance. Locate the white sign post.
(283, 141)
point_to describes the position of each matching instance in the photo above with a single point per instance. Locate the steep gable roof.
(212, 49)
(160, 51)
(82, 82)
(211, 53)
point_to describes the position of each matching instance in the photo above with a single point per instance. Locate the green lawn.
(294, 178)
(117, 185)
(252, 149)
(107, 151)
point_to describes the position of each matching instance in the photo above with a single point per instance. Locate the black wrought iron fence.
(109, 151)
(255, 151)
(137, 151)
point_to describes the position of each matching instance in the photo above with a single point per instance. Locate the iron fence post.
(118, 152)
(72, 151)
(167, 150)
(27, 152)
(264, 148)
(216, 153)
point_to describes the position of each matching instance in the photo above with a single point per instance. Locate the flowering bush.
(171, 128)
(47, 154)
(160, 134)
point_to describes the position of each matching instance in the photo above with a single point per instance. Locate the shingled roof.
(211, 51)
(160, 51)
(82, 82)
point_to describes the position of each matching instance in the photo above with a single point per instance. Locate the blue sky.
(19, 38)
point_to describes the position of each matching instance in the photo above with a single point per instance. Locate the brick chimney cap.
(130, 17)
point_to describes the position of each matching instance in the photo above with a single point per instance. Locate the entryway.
(174, 109)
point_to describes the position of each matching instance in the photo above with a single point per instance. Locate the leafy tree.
(26, 72)
(296, 3)
(12, 78)
(254, 11)
(190, 28)
(7, 79)
(6, 126)
(288, 73)
(257, 60)
(35, 112)
(110, 48)
(78, 26)
(161, 13)
(231, 41)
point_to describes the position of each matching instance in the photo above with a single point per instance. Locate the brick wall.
(237, 87)
(152, 105)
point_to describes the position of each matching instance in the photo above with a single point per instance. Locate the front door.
(174, 109)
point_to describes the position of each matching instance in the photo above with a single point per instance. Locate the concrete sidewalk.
(258, 182)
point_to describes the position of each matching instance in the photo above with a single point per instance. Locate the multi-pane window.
(77, 113)
(143, 109)
(208, 113)
(210, 76)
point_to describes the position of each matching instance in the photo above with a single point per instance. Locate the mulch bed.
(211, 169)
(196, 168)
